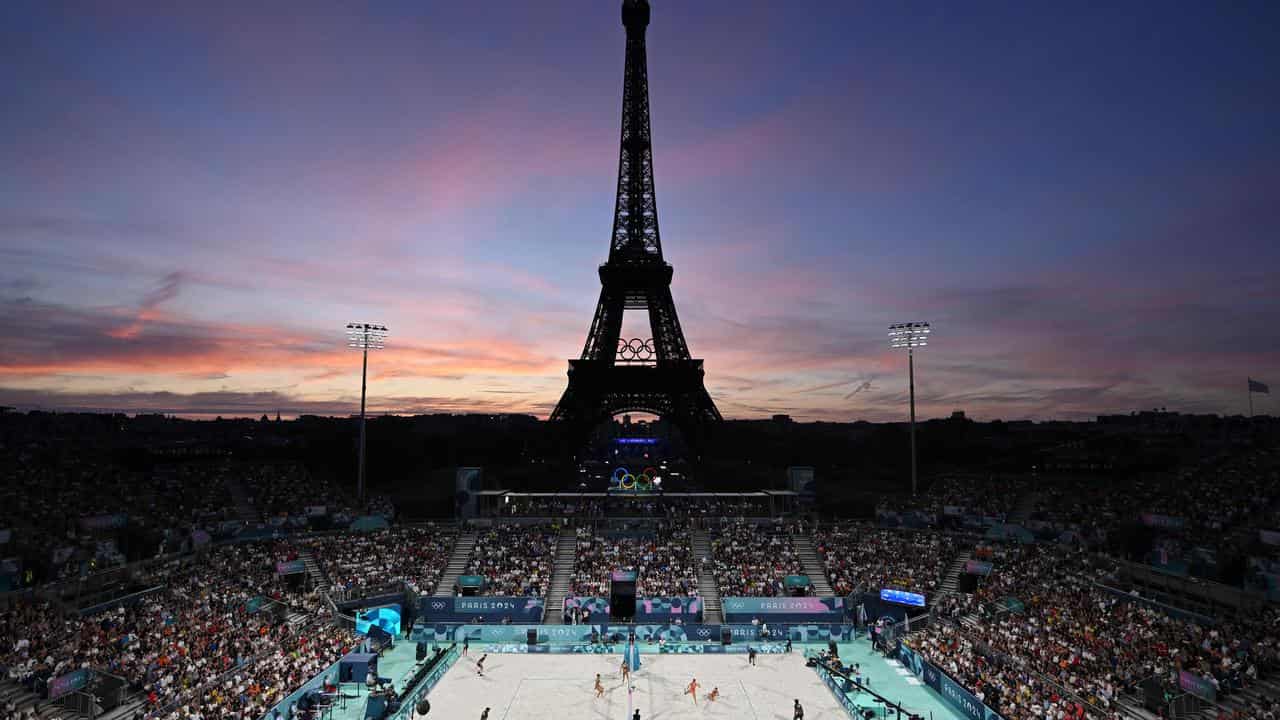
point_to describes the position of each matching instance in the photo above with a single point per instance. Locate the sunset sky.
(1084, 202)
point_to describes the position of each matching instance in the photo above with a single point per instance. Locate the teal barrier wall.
(430, 681)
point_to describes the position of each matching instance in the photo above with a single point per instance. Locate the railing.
(845, 689)
(1186, 704)
(428, 682)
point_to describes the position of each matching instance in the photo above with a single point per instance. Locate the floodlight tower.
(364, 337)
(910, 335)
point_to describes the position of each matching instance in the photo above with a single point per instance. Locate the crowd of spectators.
(622, 505)
(552, 507)
(67, 509)
(362, 564)
(865, 558)
(968, 495)
(663, 561)
(69, 514)
(515, 560)
(193, 647)
(753, 560)
(1069, 645)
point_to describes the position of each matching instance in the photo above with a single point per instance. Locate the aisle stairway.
(708, 590)
(457, 563)
(1240, 700)
(24, 699)
(1131, 706)
(319, 580)
(813, 565)
(951, 581)
(561, 577)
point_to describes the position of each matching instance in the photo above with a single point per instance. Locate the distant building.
(782, 419)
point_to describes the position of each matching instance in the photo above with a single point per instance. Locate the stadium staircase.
(24, 700)
(1131, 706)
(951, 581)
(708, 589)
(561, 577)
(457, 563)
(319, 580)
(813, 565)
(1260, 692)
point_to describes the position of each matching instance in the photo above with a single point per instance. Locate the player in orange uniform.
(692, 689)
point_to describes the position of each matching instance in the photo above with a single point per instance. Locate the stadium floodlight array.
(364, 337)
(910, 335)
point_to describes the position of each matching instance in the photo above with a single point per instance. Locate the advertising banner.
(977, 567)
(293, 567)
(647, 635)
(792, 609)
(1197, 685)
(597, 606)
(834, 685)
(72, 681)
(491, 608)
(951, 691)
(1161, 521)
(661, 608)
(104, 522)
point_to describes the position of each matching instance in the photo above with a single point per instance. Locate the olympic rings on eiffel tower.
(636, 349)
(623, 479)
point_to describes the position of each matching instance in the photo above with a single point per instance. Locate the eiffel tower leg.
(668, 338)
(606, 326)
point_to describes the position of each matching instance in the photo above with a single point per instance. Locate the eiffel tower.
(654, 374)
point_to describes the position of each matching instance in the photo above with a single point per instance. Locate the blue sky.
(1080, 198)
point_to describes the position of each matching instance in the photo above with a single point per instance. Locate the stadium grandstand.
(214, 585)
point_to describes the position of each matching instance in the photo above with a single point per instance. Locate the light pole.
(364, 337)
(910, 336)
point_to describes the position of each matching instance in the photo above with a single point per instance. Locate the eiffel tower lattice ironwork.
(653, 374)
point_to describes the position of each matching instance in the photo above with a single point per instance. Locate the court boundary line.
(750, 704)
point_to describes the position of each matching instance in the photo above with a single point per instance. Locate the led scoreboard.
(902, 597)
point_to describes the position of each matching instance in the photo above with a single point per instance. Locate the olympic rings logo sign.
(623, 479)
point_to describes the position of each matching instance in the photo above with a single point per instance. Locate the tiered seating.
(360, 564)
(753, 560)
(172, 642)
(1085, 639)
(515, 560)
(862, 558)
(663, 562)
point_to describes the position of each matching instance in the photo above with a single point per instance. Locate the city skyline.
(1077, 199)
